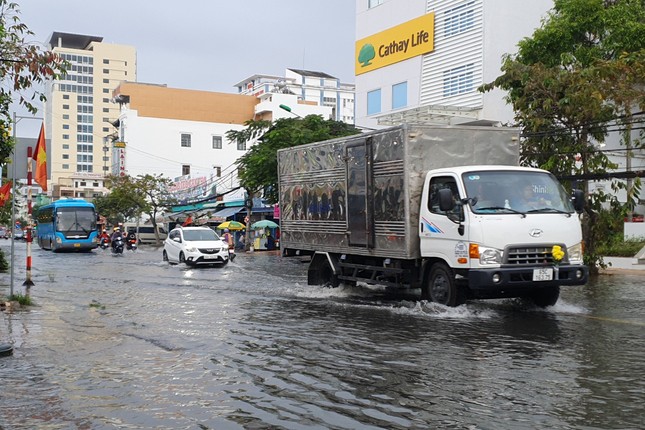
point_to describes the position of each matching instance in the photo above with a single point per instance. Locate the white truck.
(443, 209)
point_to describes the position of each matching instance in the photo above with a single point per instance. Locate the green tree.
(258, 168)
(22, 67)
(130, 197)
(577, 77)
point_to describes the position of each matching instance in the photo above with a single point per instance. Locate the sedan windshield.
(200, 235)
(515, 192)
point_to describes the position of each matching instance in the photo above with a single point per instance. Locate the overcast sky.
(209, 44)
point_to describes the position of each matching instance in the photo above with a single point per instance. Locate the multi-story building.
(423, 61)
(79, 112)
(314, 88)
(180, 134)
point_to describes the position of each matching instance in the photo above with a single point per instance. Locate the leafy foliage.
(258, 168)
(21, 67)
(579, 76)
(130, 197)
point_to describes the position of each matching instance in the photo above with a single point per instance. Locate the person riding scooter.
(131, 240)
(117, 240)
(104, 239)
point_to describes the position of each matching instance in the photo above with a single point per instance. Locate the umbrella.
(231, 225)
(263, 224)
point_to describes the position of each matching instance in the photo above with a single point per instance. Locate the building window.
(65, 166)
(185, 140)
(458, 80)
(65, 145)
(459, 20)
(65, 106)
(218, 171)
(106, 81)
(241, 146)
(373, 3)
(106, 90)
(65, 96)
(106, 100)
(374, 102)
(185, 170)
(66, 137)
(106, 129)
(65, 116)
(106, 71)
(217, 142)
(65, 156)
(106, 61)
(106, 109)
(65, 126)
(399, 95)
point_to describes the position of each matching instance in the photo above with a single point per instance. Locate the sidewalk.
(622, 263)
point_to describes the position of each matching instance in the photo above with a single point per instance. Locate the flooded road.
(130, 342)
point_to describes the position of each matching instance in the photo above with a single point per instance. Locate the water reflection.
(135, 343)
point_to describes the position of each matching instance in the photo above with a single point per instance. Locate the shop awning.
(227, 212)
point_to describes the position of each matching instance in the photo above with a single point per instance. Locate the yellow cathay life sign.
(410, 39)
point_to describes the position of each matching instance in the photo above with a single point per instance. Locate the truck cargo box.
(360, 194)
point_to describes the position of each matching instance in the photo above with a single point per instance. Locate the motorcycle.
(131, 244)
(104, 243)
(117, 245)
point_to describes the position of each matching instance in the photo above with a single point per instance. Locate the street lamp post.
(288, 109)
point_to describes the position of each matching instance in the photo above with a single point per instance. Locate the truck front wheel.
(545, 297)
(442, 288)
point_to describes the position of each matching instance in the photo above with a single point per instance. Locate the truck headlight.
(489, 256)
(575, 253)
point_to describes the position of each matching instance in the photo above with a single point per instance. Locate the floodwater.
(130, 342)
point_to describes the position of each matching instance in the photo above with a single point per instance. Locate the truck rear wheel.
(441, 287)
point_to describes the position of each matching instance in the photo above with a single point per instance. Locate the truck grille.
(530, 255)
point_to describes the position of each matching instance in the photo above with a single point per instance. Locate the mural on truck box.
(321, 201)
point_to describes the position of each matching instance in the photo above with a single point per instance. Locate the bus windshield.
(509, 192)
(79, 220)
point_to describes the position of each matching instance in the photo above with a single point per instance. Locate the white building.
(422, 61)
(309, 87)
(452, 48)
(180, 134)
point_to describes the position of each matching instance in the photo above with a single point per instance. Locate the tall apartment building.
(318, 88)
(79, 112)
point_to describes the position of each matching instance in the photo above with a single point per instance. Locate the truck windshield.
(515, 192)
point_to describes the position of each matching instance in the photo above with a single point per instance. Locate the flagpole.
(28, 282)
(13, 200)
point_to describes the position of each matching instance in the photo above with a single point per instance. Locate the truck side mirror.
(578, 200)
(446, 200)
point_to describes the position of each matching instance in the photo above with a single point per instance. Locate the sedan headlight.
(575, 253)
(489, 256)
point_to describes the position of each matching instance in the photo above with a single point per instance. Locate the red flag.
(188, 221)
(4, 193)
(40, 156)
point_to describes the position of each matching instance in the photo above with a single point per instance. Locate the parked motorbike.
(117, 245)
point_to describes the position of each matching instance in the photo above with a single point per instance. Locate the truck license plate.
(545, 274)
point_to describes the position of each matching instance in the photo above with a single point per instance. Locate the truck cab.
(499, 231)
